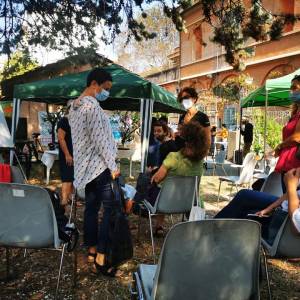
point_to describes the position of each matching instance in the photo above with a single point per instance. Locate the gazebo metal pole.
(265, 127)
(240, 125)
(146, 119)
(14, 124)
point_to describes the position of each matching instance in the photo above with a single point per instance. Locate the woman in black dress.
(65, 158)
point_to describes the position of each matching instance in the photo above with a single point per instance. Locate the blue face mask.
(295, 96)
(102, 96)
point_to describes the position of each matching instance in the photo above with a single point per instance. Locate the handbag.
(197, 212)
(119, 248)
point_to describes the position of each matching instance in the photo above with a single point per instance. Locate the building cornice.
(259, 61)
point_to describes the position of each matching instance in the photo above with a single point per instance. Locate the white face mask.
(187, 103)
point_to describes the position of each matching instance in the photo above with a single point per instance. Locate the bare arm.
(207, 131)
(291, 180)
(291, 140)
(272, 206)
(61, 134)
(160, 175)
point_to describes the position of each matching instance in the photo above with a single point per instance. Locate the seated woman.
(249, 203)
(186, 162)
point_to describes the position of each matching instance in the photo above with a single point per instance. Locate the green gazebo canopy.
(128, 89)
(276, 90)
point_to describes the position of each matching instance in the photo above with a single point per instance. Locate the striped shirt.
(94, 148)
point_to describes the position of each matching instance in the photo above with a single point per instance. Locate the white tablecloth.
(127, 153)
(48, 158)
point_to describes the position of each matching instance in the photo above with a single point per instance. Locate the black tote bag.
(120, 246)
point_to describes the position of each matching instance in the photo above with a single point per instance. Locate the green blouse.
(177, 164)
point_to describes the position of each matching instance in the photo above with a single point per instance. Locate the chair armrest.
(149, 206)
(259, 171)
(236, 166)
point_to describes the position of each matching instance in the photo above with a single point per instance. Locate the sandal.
(159, 231)
(91, 257)
(106, 270)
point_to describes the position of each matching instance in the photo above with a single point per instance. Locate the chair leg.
(7, 263)
(139, 224)
(59, 272)
(231, 188)
(75, 268)
(224, 171)
(151, 233)
(267, 272)
(172, 221)
(219, 192)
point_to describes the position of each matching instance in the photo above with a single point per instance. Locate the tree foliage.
(151, 53)
(234, 24)
(19, 63)
(58, 24)
(71, 23)
(235, 88)
(273, 131)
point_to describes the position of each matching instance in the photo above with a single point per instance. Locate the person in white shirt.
(94, 154)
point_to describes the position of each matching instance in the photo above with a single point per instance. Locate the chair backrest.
(248, 169)
(249, 156)
(287, 241)
(220, 157)
(272, 184)
(177, 194)
(17, 176)
(27, 218)
(210, 259)
(272, 164)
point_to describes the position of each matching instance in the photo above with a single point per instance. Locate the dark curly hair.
(196, 144)
(189, 90)
(297, 78)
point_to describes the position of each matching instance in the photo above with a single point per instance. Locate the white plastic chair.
(218, 160)
(27, 220)
(246, 174)
(175, 197)
(210, 259)
(262, 173)
(285, 245)
(272, 184)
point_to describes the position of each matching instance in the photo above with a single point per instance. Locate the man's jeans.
(246, 202)
(98, 191)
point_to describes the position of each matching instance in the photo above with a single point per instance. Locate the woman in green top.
(186, 162)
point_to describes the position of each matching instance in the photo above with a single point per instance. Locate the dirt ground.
(34, 276)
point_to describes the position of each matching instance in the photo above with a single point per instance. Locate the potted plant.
(128, 124)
